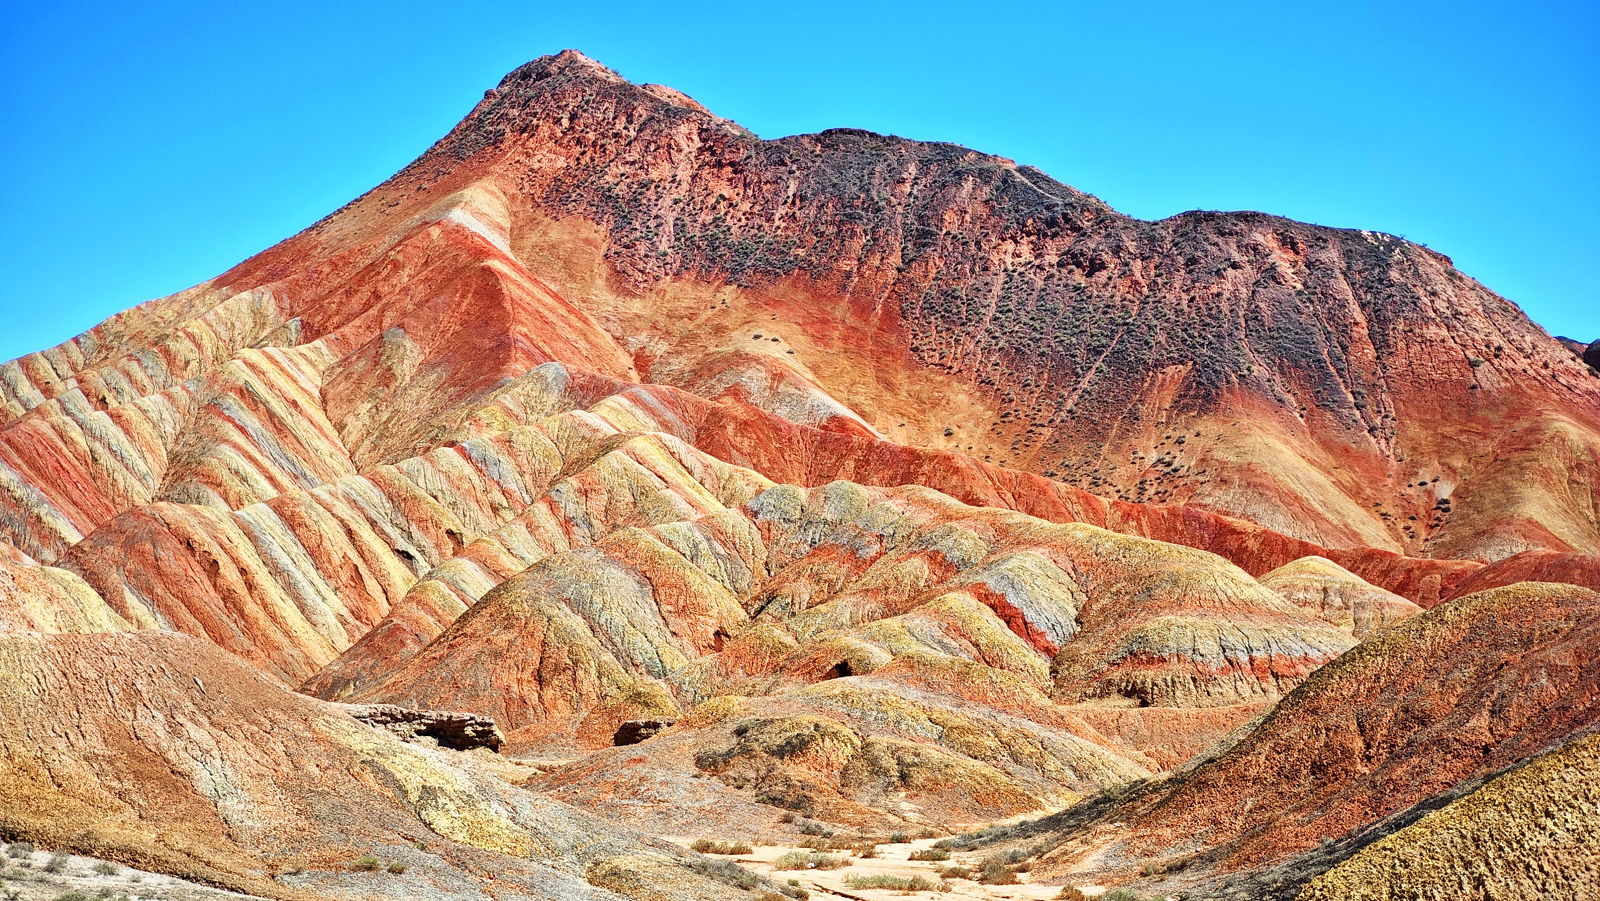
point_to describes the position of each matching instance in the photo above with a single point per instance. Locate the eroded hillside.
(766, 488)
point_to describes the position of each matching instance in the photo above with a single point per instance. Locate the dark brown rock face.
(1591, 355)
(634, 731)
(457, 731)
(1577, 347)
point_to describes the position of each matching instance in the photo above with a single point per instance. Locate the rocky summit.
(612, 496)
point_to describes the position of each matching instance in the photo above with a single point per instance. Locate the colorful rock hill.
(851, 478)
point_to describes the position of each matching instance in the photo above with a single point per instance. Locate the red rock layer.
(274, 459)
(1461, 691)
(1331, 384)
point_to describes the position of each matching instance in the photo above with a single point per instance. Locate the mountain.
(755, 485)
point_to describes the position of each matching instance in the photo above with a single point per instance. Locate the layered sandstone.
(908, 485)
(154, 750)
(1437, 701)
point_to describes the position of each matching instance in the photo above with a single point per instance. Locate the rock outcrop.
(456, 731)
(632, 732)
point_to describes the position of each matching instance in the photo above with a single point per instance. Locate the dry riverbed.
(892, 860)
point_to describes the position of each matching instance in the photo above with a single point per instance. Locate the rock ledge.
(456, 731)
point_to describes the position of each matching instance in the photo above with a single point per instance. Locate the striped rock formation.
(1415, 719)
(1326, 589)
(156, 751)
(912, 485)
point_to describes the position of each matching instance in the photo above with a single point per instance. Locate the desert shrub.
(72, 896)
(999, 869)
(106, 869)
(1069, 893)
(724, 871)
(707, 846)
(867, 852)
(896, 883)
(1120, 894)
(969, 840)
(398, 869)
(366, 864)
(1001, 876)
(899, 838)
(19, 849)
(57, 863)
(930, 854)
(809, 860)
(812, 827)
(956, 871)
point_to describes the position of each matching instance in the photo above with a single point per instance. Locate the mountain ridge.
(1348, 396)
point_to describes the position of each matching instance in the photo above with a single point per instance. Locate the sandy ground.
(25, 878)
(893, 860)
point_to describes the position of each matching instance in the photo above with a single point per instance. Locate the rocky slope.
(1530, 833)
(1333, 375)
(1419, 711)
(153, 750)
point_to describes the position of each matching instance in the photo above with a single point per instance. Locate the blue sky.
(147, 148)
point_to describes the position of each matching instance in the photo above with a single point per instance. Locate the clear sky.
(147, 147)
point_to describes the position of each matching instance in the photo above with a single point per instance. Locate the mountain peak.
(568, 62)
